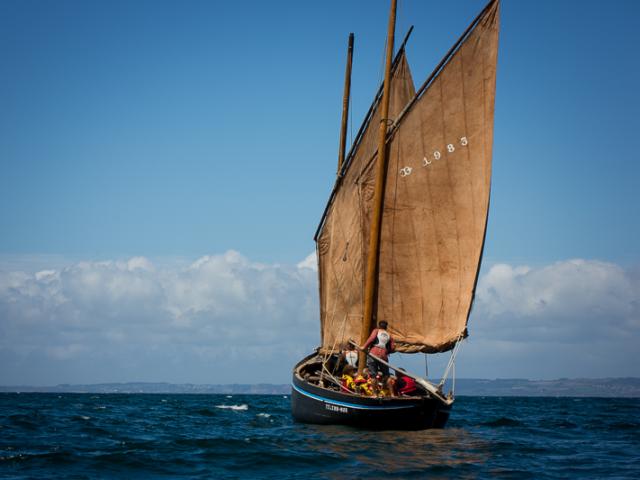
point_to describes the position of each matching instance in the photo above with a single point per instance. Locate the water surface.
(253, 436)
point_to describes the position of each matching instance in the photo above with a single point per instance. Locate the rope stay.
(426, 366)
(451, 366)
(328, 355)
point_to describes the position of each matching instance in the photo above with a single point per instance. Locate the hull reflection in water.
(405, 453)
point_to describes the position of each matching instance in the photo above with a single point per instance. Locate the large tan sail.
(340, 242)
(437, 198)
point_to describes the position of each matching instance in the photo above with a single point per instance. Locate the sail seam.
(451, 198)
(423, 213)
(337, 287)
(468, 157)
(393, 227)
(339, 283)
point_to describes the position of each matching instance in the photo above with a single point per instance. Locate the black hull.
(313, 404)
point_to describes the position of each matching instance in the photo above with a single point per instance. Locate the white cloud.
(571, 318)
(573, 299)
(211, 314)
(561, 288)
(310, 262)
(139, 263)
(224, 318)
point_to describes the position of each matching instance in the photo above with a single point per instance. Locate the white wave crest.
(244, 406)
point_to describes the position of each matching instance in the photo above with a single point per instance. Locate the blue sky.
(149, 147)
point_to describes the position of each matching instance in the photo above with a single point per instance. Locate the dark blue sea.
(252, 436)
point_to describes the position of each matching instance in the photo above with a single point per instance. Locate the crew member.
(405, 385)
(381, 343)
(350, 355)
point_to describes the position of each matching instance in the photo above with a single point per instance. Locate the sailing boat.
(402, 236)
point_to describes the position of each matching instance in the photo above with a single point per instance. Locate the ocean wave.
(28, 422)
(244, 406)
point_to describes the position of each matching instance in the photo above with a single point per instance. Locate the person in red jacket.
(381, 343)
(405, 385)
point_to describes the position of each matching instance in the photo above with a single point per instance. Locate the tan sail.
(340, 247)
(437, 199)
(435, 206)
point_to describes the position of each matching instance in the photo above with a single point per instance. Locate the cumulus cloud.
(224, 318)
(575, 318)
(221, 316)
(568, 300)
(310, 262)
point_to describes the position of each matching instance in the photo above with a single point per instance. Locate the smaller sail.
(341, 246)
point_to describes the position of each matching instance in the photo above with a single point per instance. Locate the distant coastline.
(628, 387)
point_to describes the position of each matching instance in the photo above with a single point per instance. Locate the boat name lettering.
(335, 408)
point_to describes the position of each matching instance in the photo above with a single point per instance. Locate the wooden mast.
(371, 284)
(345, 105)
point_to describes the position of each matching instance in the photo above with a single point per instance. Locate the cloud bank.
(221, 319)
(225, 319)
(572, 318)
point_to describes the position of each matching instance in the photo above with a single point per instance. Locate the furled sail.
(435, 205)
(340, 247)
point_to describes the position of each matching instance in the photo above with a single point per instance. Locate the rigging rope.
(350, 121)
(426, 366)
(452, 362)
(333, 347)
(453, 380)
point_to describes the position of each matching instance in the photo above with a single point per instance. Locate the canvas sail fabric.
(340, 243)
(437, 199)
(434, 211)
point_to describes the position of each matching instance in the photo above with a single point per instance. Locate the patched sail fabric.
(340, 242)
(437, 198)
